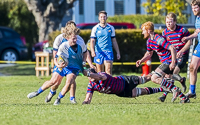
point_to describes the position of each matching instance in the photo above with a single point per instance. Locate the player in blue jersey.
(101, 43)
(173, 34)
(57, 75)
(195, 62)
(167, 55)
(122, 86)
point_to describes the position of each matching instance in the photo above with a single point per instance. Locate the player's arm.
(96, 76)
(147, 56)
(89, 60)
(92, 44)
(88, 98)
(185, 48)
(60, 51)
(192, 36)
(173, 54)
(116, 47)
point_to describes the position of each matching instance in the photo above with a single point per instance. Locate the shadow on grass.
(19, 69)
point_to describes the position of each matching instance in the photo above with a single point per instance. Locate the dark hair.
(195, 2)
(92, 70)
(71, 22)
(104, 12)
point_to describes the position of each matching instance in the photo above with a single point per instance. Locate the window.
(99, 6)
(81, 6)
(119, 7)
(138, 4)
(8, 33)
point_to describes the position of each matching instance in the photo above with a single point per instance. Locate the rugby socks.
(40, 90)
(165, 94)
(60, 96)
(153, 90)
(53, 92)
(167, 84)
(192, 88)
(72, 98)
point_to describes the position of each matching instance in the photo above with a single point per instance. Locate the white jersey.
(60, 39)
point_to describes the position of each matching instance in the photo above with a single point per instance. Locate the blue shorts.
(58, 70)
(69, 70)
(197, 51)
(102, 56)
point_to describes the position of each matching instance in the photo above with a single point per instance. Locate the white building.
(86, 11)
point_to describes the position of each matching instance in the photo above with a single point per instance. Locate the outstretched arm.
(194, 35)
(88, 98)
(116, 47)
(146, 56)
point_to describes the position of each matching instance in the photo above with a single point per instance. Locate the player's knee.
(191, 68)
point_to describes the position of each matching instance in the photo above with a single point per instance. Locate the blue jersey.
(197, 26)
(103, 37)
(75, 59)
(116, 84)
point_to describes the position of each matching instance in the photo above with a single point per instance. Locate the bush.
(131, 43)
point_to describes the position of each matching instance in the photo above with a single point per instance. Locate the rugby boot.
(162, 98)
(49, 97)
(190, 95)
(175, 92)
(185, 100)
(32, 94)
(57, 102)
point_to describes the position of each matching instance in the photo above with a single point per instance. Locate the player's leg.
(194, 65)
(98, 60)
(108, 62)
(108, 66)
(145, 91)
(72, 93)
(158, 78)
(56, 77)
(70, 80)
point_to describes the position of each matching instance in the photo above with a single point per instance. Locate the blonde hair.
(171, 15)
(148, 26)
(70, 29)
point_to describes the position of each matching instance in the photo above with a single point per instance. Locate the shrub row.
(131, 43)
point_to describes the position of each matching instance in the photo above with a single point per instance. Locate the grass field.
(17, 109)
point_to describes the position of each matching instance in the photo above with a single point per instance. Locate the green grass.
(17, 109)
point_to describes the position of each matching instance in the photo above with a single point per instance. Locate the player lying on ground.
(122, 86)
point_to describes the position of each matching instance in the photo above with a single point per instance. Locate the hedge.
(131, 43)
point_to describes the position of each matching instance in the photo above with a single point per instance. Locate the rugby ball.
(61, 59)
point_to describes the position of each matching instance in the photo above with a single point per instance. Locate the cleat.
(190, 95)
(32, 94)
(184, 87)
(49, 97)
(185, 100)
(175, 92)
(57, 102)
(162, 98)
(73, 101)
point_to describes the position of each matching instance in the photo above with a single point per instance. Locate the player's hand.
(197, 30)
(179, 54)
(138, 63)
(94, 67)
(103, 90)
(172, 66)
(62, 65)
(184, 39)
(118, 56)
(85, 102)
(93, 54)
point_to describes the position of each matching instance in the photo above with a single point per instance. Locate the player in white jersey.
(57, 76)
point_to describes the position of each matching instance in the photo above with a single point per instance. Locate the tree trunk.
(48, 14)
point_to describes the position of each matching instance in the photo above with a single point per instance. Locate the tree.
(48, 14)
(160, 7)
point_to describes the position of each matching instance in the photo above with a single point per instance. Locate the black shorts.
(130, 83)
(165, 68)
(181, 62)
